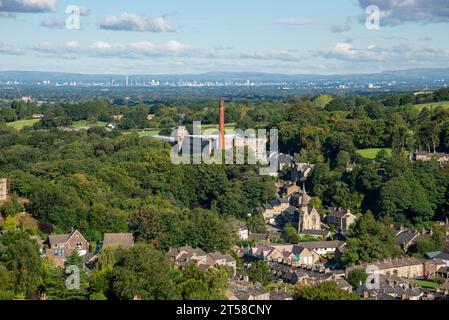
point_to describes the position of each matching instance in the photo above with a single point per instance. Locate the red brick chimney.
(222, 124)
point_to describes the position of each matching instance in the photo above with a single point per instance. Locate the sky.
(197, 36)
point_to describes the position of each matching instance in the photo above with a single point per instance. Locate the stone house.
(323, 247)
(218, 259)
(61, 246)
(405, 267)
(405, 238)
(340, 219)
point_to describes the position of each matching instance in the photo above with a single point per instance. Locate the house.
(245, 291)
(431, 267)
(268, 213)
(340, 219)
(443, 256)
(391, 287)
(443, 272)
(280, 295)
(301, 256)
(187, 255)
(441, 158)
(279, 205)
(112, 126)
(405, 267)
(181, 256)
(405, 238)
(305, 169)
(124, 240)
(62, 246)
(3, 190)
(350, 167)
(218, 259)
(323, 247)
(243, 232)
(290, 189)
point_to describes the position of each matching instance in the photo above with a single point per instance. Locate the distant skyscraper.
(126, 80)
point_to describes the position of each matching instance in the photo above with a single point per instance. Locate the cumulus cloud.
(53, 24)
(134, 50)
(397, 12)
(132, 22)
(84, 11)
(31, 6)
(6, 49)
(346, 51)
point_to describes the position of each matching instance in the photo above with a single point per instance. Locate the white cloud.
(134, 50)
(53, 24)
(132, 22)
(400, 54)
(32, 6)
(6, 49)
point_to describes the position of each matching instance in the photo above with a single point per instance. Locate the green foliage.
(291, 234)
(260, 273)
(145, 272)
(357, 277)
(323, 291)
(370, 240)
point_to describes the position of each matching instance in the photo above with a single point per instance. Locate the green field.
(372, 153)
(427, 284)
(84, 123)
(444, 104)
(148, 133)
(229, 127)
(19, 125)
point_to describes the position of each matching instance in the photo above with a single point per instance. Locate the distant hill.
(412, 75)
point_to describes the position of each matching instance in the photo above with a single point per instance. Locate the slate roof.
(405, 237)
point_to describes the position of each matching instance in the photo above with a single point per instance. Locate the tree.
(24, 262)
(203, 285)
(205, 229)
(143, 271)
(357, 277)
(370, 240)
(260, 273)
(9, 224)
(324, 291)
(291, 234)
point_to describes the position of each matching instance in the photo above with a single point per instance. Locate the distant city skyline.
(179, 37)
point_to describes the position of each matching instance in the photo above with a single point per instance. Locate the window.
(79, 245)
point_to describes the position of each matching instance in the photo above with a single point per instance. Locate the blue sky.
(178, 36)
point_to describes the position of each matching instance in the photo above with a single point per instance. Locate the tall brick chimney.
(222, 125)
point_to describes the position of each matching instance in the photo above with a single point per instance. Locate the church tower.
(309, 218)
